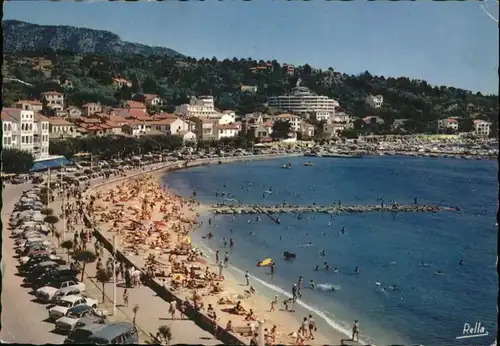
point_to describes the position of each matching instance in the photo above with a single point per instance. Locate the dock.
(271, 210)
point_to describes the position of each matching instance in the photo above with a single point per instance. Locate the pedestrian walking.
(247, 277)
(355, 331)
(294, 293)
(125, 297)
(312, 327)
(172, 309)
(221, 266)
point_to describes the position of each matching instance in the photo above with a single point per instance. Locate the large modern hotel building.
(301, 100)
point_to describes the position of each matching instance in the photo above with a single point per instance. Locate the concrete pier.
(271, 210)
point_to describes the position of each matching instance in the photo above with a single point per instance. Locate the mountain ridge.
(20, 36)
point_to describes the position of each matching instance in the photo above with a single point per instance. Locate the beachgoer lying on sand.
(251, 316)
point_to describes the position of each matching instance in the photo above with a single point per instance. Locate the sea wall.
(198, 317)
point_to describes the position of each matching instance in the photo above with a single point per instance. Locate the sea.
(411, 287)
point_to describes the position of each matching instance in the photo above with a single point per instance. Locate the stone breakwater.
(329, 209)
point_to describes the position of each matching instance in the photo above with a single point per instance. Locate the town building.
(447, 124)
(204, 128)
(250, 89)
(374, 101)
(29, 105)
(40, 136)
(153, 100)
(170, 126)
(187, 136)
(230, 130)
(60, 128)
(202, 106)
(134, 105)
(74, 112)
(333, 129)
(261, 130)
(54, 100)
(289, 69)
(91, 108)
(481, 128)
(19, 129)
(373, 120)
(303, 101)
(294, 121)
(307, 130)
(119, 83)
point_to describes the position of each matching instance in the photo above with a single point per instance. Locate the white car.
(65, 303)
(47, 294)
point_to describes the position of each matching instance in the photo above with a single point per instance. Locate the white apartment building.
(374, 101)
(41, 137)
(481, 128)
(301, 100)
(21, 128)
(322, 115)
(449, 123)
(294, 121)
(227, 117)
(202, 106)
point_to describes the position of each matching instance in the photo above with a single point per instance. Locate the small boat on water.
(308, 163)
(287, 166)
(311, 153)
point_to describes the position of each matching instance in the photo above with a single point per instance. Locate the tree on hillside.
(16, 161)
(281, 129)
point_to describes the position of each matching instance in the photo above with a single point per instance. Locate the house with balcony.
(261, 130)
(202, 106)
(54, 100)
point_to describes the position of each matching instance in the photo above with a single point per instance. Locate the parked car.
(48, 294)
(120, 333)
(81, 334)
(39, 269)
(55, 277)
(65, 303)
(80, 315)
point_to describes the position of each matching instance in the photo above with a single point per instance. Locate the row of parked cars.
(55, 283)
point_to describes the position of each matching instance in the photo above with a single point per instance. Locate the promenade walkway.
(153, 310)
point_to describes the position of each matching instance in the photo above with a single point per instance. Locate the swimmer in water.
(322, 253)
(356, 270)
(336, 270)
(326, 266)
(342, 230)
(312, 285)
(461, 263)
(393, 287)
(439, 272)
(316, 269)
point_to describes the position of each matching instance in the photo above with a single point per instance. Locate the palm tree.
(135, 309)
(68, 245)
(47, 211)
(103, 276)
(51, 220)
(166, 333)
(84, 256)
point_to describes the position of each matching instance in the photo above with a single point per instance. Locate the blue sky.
(446, 43)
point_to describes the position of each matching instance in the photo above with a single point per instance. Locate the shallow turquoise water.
(425, 308)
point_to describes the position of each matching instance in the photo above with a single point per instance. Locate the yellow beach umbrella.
(178, 277)
(187, 240)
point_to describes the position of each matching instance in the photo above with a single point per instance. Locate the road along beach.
(162, 245)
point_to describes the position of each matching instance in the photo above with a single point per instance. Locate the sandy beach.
(153, 225)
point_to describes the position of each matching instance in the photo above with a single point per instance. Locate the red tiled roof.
(451, 120)
(59, 121)
(135, 104)
(233, 126)
(150, 97)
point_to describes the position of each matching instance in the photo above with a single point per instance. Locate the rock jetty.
(327, 209)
